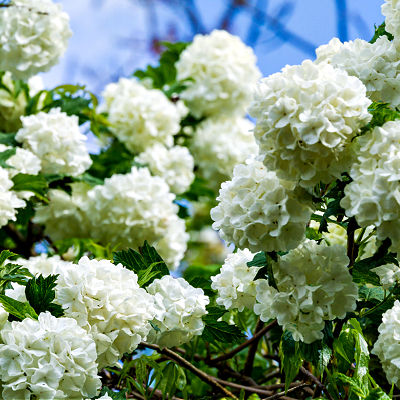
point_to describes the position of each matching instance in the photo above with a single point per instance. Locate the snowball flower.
(49, 358)
(219, 144)
(179, 311)
(129, 209)
(235, 282)
(65, 215)
(140, 117)
(377, 65)
(391, 10)
(33, 36)
(174, 165)
(258, 211)
(307, 116)
(22, 162)
(387, 347)
(106, 300)
(56, 139)
(9, 201)
(372, 196)
(43, 264)
(389, 274)
(220, 71)
(314, 286)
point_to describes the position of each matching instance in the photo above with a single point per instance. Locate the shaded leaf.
(18, 309)
(291, 358)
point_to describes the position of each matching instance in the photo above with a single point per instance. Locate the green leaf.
(221, 331)
(8, 139)
(373, 294)
(17, 309)
(352, 383)
(147, 263)
(291, 358)
(32, 183)
(381, 113)
(259, 260)
(381, 31)
(40, 294)
(121, 395)
(5, 155)
(202, 283)
(5, 255)
(165, 72)
(377, 394)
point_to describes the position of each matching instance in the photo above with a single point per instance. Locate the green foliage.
(115, 159)
(291, 358)
(381, 113)
(5, 155)
(40, 294)
(199, 190)
(17, 309)
(381, 31)
(219, 331)
(8, 139)
(11, 272)
(121, 395)
(377, 394)
(146, 263)
(165, 73)
(80, 247)
(32, 183)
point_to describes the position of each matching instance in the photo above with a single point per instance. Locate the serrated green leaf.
(20, 310)
(202, 283)
(148, 264)
(5, 255)
(220, 331)
(291, 358)
(5, 155)
(352, 383)
(374, 294)
(40, 294)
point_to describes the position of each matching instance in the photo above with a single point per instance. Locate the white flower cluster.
(372, 196)
(22, 162)
(33, 36)
(9, 201)
(219, 144)
(140, 117)
(258, 211)
(64, 216)
(389, 274)
(307, 116)
(387, 347)
(55, 138)
(174, 165)
(314, 285)
(235, 282)
(221, 72)
(391, 10)
(125, 211)
(179, 310)
(377, 65)
(107, 302)
(49, 358)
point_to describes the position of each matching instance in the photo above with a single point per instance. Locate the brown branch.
(248, 366)
(314, 379)
(281, 395)
(186, 364)
(245, 388)
(236, 350)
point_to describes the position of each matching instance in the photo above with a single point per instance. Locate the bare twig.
(248, 366)
(236, 350)
(186, 364)
(314, 379)
(281, 395)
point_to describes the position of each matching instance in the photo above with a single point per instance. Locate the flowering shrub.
(113, 284)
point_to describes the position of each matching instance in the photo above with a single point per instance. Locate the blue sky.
(111, 37)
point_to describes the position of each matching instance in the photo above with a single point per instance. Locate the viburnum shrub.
(114, 283)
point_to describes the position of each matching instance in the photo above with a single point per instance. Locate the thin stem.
(314, 379)
(236, 350)
(245, 388)
(248, 366)
(283, 394)
(186, 364)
